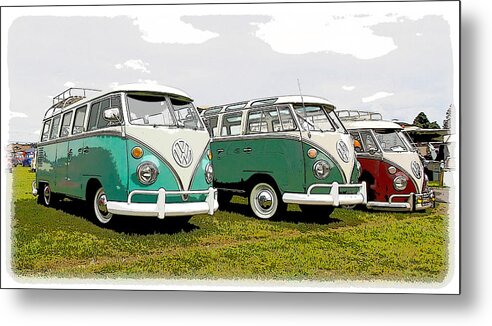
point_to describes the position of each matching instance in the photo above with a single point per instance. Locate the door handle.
(247, 149)
(70, 152)
(85, 150)
(220, 150)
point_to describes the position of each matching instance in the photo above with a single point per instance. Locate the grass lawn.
(348, 245)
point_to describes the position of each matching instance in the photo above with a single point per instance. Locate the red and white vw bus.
(391, 166)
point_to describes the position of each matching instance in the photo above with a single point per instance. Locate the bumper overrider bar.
(162, 209)
(414, 202)
(334, 198)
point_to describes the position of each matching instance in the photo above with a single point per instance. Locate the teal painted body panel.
(166, 178)
(103, 158)
(107, 158)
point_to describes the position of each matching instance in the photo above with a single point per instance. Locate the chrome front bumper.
(162, 209)
(334, 198)
(414, 202)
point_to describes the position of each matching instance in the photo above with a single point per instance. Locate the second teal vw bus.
(280, 150)
(138, 150)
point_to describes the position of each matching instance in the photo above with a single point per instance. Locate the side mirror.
(372, 150)
(112, 115)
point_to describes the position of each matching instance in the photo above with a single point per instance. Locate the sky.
(398, 59)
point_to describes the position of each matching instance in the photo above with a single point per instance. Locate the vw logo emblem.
(416, 169)
(343, 151)
(182, 153)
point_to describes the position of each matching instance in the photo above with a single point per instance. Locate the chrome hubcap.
(265, 200)
(102, 203)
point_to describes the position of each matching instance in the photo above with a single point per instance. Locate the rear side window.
(211, 124)
(55, 128)
(46, 130)
(231, 124)
(78, 123)
(65, 127)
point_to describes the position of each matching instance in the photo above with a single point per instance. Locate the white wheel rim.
(263, 201)
(47, 195)
(101, 207)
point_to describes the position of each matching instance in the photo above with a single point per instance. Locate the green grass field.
(349, 245)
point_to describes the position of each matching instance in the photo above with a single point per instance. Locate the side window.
(368, 140)
(287, 119)
(46, 130)
(55, 128)
(256, 122)
(65, 127)
(211, 124)
(78, 123)
(231, 124)
(101, 122)
(93, 115)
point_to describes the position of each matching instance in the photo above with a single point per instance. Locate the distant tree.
(422, 121)
(446, 124)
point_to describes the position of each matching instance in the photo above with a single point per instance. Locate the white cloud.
(17, 115)
(376, 96)
(148, 81)
(135, 64)
(348, 88)
(162, 29)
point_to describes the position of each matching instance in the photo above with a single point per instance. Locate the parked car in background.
(281, 150)
(391, 167)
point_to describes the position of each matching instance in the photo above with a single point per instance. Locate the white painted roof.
(305, 98)
(370, 124)
(150, 88)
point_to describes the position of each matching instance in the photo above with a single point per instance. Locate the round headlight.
(147, 173)
(400, 183)
(209, 173)
(321, 169)
(416, 169)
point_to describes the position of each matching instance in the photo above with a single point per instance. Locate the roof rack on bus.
(358, 115)
(68, 97)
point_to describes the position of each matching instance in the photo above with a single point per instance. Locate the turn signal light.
(312, 153)
(137, 152)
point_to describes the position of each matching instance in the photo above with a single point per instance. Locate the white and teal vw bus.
(390, 164)
(280, 150)
(139, 150)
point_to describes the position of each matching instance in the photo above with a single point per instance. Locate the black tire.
(46, 197)
(316, 211)
(265, 201)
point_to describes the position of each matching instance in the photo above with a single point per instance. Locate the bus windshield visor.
(390, 140)
(313, 117)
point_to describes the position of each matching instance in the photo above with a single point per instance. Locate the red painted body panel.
(380, 181)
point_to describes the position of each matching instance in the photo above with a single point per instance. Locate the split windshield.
(159, 110)
(316, 118)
